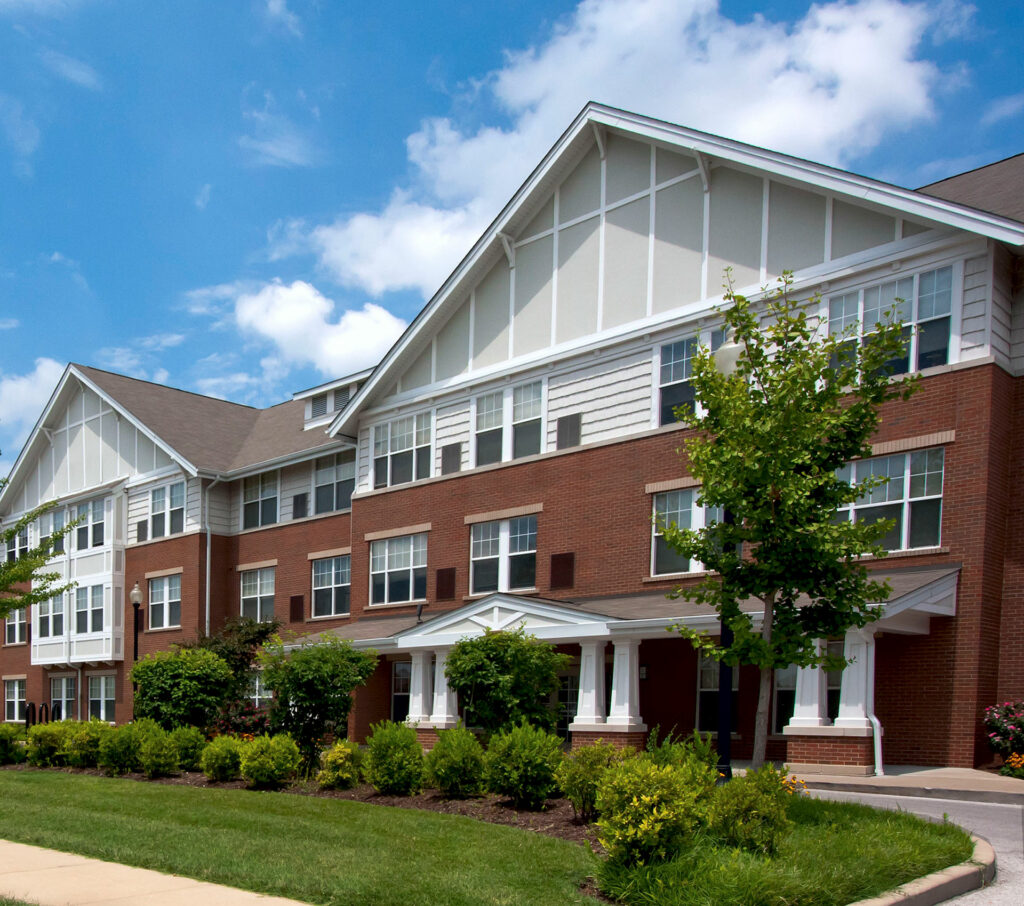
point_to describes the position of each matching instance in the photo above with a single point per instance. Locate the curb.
(920, 792)
(978, 871)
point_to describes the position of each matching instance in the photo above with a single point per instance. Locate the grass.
(837, 853)
(318, 850)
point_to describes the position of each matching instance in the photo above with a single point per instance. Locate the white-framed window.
(164, 602)
(88, 609)
(17, 545)
(679, 508)
(912, 497)
(63, 698)
(259, 500)
(707, 694)
(50, 618)
(259, 693)
(398, 569)
(167, 510)
(50, 524)
(90, 531)
(401, 450)
(784, 690)
(101, 697)
(258, 593)
(14, 699)
(401, 683)
(332, 581)
(16, 629)
(674, 386)
(923, 301)
(503, 555)
(334, 479)
(509, 423)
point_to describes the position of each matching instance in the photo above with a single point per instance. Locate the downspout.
(876, 725)
(209, 544)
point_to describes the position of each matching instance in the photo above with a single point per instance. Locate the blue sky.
(248, 198)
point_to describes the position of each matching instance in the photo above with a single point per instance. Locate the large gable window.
(259, 500)
(398, 569)
(167, 510)
(335, 479)
(509, 423)
(401, 450)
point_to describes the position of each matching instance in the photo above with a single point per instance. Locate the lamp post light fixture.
(135, 596)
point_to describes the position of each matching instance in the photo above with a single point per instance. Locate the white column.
(811, 707)
(446, 707)
(590, 704)
(420, 699)
(625, 710)
(857, 692)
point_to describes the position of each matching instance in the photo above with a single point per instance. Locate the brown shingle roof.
(214, 435)
(997, 188)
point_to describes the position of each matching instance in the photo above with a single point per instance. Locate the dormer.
(325, 401)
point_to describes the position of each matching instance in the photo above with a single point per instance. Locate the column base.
(629, 739)
(427, 737)
(830, 754)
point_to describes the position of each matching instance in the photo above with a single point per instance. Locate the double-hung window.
(527, 406)
(259, 500)
(401, 450)
(707, 694)
(63, 698)
(101, 697)
(50, 525)
(167, 510)
(398, 569)
(332, 581)
(165, 602)
(503, 555)
(401, 684)
(923, 301)
(675, 387)
(509, 423)
(90, 531)
(17, 626)
(88, 609)
(14, 699)
(258, 593)
(334, 480)
(260, 694)
(17, 545)
(490, 416)
(679, 508)
(912, 497)
(50, 617)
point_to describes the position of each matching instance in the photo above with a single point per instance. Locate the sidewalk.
(935, 783)
(49, 878)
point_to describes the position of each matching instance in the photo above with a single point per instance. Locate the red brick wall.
(854, 750)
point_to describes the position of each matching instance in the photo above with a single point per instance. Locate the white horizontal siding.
(193, 505)
(294, 480)
(364, 477)
(221, 521)
(1003, 310)
(974, 317)
(452, 426)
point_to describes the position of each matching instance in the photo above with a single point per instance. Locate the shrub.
(750, 812)
(190, 742)
(12, 749)
(580, 772)
(182, 688)
(82, 744)
(1005, 725)
(221, 759)
(341, 765)
(455, 765)
(394, 764)
(521, 764)
(647, 811)
(268, 761)
(671, 750)
(158, 754)
(46, 744)
(242, 718)
(1013, 766)
(119, 750)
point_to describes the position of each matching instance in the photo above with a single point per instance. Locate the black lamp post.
(135, 596)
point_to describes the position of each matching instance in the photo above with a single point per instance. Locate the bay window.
(89, 609)
(50, 618)
(90, 531)
(17, 545)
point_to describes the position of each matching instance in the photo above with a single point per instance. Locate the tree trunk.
(764, 693)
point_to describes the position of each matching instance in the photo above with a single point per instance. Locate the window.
(63, 698)
(259, 500)
(50, 615)
(503, 555)
(51, 524)
(335, 479)
(401, 680)
(101, 698)
(167, 510)
(89, 609)
(398, 570)
(489, 419)
(90, 525)
(681, 509)
(401, 450)
(259, 693)
(17, 545)
(14, 699)
(16, 629)
(675, 388)
(164, 602)
(912, 497)
(568, 702)
(924, 301)
(331, 585)
(258, 594)
(525, 405)
(707, 695)
(527, 402)
(785, 691)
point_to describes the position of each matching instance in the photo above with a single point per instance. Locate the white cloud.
(229, 386)
(160, 341)
(9, 323)
(46, 7)
(277, 13)
(19, 132)
(122, 359)
(829, 86)
(72, 70)
(1004, 108)
(274, 140)
(202, 198)
(73, 267)
(138, 358)
(22, 398)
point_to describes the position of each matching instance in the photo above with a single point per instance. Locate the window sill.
(511, 591)
(389, 605)
(674, 577)
(162, 629)
(15, 644)
(910, 552)
(333, 616)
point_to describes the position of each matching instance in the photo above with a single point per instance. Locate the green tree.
(312, 688)
(238, 642)
(184, 687)
(773, 439)
(503, 678)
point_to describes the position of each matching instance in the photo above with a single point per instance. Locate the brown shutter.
(563, 570)
(296, 609)
(141, 530)
(445, 589)
(300, 506)
(569, 427)
(451, 458)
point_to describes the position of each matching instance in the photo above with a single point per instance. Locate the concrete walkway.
(936, 783)
(50, 878)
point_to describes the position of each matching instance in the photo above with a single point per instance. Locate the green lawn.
(316, 850)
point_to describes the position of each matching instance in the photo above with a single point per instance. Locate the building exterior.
(504, 463)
